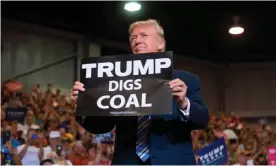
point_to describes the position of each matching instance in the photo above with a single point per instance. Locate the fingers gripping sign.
(179, 90)
(78, 86)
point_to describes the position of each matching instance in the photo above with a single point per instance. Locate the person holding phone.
(54, 140)
(29, 152)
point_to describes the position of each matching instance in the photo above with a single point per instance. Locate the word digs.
(127, 85)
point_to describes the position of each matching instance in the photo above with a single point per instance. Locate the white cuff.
(186, 112)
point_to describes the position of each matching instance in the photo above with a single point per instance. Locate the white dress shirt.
(185, 112)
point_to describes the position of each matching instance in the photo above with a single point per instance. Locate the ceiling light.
(236, 29)
(132, 6)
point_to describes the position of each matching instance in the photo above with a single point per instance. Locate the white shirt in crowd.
(46, 151)
(31, 155)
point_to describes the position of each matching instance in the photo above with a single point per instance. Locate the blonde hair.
(151, 22)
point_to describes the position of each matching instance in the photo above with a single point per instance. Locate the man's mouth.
(139, 49)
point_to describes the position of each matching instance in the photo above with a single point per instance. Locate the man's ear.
(161, 45)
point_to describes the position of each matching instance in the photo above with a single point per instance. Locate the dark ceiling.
(196, 29)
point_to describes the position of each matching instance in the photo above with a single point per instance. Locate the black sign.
(126, 85)
(17, 114)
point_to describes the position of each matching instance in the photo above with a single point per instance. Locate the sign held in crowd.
(213, 154)
(106, 138)
(126, 85)
(17, 114)
(272, 155)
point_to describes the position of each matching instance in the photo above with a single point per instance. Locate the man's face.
(54, 142)
(144, 39)
(3, 115)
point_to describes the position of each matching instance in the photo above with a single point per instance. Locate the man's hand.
(179, 90)
(78, 86)
(9, 146)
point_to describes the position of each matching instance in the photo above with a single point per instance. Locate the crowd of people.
(49, 134)
(247, 144)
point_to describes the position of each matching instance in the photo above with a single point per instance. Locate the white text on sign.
(135, 67)
(132, 68)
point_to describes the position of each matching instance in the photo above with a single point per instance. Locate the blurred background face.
(67, 141)
(86, 137)
(92, 152)
(144, 39)
(213, 119)
(248, 146)
(79, 149)
(30, 137)
(41, 115)
(30, 119)
(30, 115)
(66, 145)
(62, 131)
(3, 115)
(53, 123)
(54, 142)
(65, 115)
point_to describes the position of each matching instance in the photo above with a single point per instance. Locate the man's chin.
(141, 52)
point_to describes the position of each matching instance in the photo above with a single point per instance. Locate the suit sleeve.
(96, 124)
(198, 114)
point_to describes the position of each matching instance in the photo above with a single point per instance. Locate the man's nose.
(137, 43)
(138, 40)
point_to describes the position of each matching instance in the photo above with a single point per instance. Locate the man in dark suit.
(157, 139)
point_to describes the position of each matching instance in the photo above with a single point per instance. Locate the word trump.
(133, 67)
(212, 155)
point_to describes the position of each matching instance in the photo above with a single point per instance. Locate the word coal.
(134, 67)
(124, 103)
